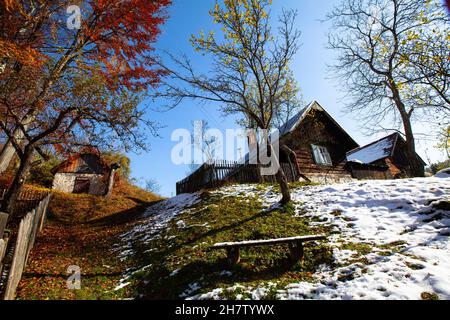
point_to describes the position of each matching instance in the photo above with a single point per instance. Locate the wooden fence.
(14, 256)
(212, 175)
(28, 199)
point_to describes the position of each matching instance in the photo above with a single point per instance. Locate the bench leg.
(296, 252)
(233, 256)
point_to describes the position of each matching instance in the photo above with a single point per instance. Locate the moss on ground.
(184, 257)
(361, 248)
(429, 296)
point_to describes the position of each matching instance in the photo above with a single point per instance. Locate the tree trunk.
(284, 186)
(291, 153)
(13, 193)
(281, 179)
(6, 155)
(415, 167)
(8, 151)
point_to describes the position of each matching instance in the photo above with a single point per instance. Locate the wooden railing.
(213, 175)
(29, 198)
(15, 248)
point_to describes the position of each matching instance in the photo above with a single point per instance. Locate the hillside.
(126, 201)
(387, 240)
(81, 231)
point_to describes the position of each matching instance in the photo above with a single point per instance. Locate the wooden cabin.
(319, 145)
(84, 173)
(318, 150)
(385, 158)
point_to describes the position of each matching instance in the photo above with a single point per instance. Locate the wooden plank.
(3, 221)
(18, 263)
(34, 230)
(44, 214)
(3, 248)
(253, 243)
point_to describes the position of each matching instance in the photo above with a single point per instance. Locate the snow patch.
(156, 219)
(401, 220)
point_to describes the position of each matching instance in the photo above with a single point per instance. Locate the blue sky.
(309, 66)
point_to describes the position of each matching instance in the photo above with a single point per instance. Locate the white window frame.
(321, 155)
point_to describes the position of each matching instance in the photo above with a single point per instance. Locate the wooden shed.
(385, 158)
(84, 173)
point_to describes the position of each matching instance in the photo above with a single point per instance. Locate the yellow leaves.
(384, 50)
(227, 60)
(238, 21)
(437, 59)
(11, 5)
(413, 36)
(400, 86)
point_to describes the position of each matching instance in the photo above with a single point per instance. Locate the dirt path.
(87, 246)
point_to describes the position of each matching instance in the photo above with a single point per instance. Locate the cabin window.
(321, 155)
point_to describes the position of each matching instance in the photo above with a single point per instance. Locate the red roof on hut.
(83, 163)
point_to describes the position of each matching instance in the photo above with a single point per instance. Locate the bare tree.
(374, 39)
(444, 141)
(152, 185)
(250, 75)
(204, 144)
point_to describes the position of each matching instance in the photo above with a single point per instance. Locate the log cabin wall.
(399, 158)
(318, 129)
(379, 170)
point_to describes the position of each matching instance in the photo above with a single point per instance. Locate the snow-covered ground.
(156, 218)
(402, 215)
(406, 223)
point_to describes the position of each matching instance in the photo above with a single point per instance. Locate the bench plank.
(253, 243)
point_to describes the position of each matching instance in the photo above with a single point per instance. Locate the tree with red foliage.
(62, 86)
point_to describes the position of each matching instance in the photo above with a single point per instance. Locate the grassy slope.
(126, 200)
(182, 249)
(81, 231)
(228, 219)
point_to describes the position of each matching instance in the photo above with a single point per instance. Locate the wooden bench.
(295, 246)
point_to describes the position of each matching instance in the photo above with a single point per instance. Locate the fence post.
(17, 265)
(33, 231)
(29, 228)
(3, 249)
(3, 221)
(44, 213)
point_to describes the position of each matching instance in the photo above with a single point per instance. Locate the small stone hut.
(84, 173)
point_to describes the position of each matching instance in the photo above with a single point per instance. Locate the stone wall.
(65, 182)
